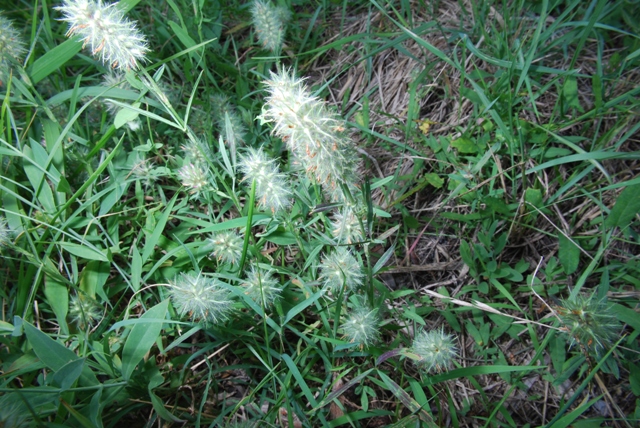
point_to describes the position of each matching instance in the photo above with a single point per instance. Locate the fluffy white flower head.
(341, 269)
(361, 326)
(109, 35)
(201, 298)
(313, 133)
(272, 190)
(11, 47)
(436, 350)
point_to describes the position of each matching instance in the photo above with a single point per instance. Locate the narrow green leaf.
(626, 208)
(300, 382)
(383, 260)
(153, 239)
(136, 268)
(69, 373)
(142, 337)
(338, 392)
(53, 354)
(93, 278)
(479, 370)
(84, 251)
(158, 406)
(6, 328)
(406, 399)
(57, 296)
(302, 306)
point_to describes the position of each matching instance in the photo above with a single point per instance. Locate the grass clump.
(196, 229)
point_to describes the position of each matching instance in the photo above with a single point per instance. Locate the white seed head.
(361, 326)
(272, 189)
(194, 177)
(346, 227)
(103, 27)
(12, 48)
(262, 287)
(312, 132)
(227, 246)
(270, 23)
(201, 298)
(5, 233)
(435, 348)
(341, 269)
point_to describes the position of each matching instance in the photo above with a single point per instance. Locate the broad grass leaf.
(57, 296)
(465, 145)
(69, 373)
(434, 179)
(54, 355)
(84, 251)
(568, 253)
(626, 208)
(142, 337)
(53, 60)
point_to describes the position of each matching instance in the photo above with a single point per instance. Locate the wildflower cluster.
(272, 189)
(201, 298)
(11, 47)
(589, 322)
(435, 350)
(313, 134)
(109, 35)
(270, 23)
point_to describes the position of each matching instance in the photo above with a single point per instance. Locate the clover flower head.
(341, 269)
(236, 130)
(270, 23)
(103, 27)
(436, 350)
(345, 226)
(84, 311)
(590, 323)
(362, 326)
(227, 246)
(262, 287)
(194, 177)
(272, 189)
(201, 298)
(11, 47)
(197, 152)
(313, 134)
(145, 171)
